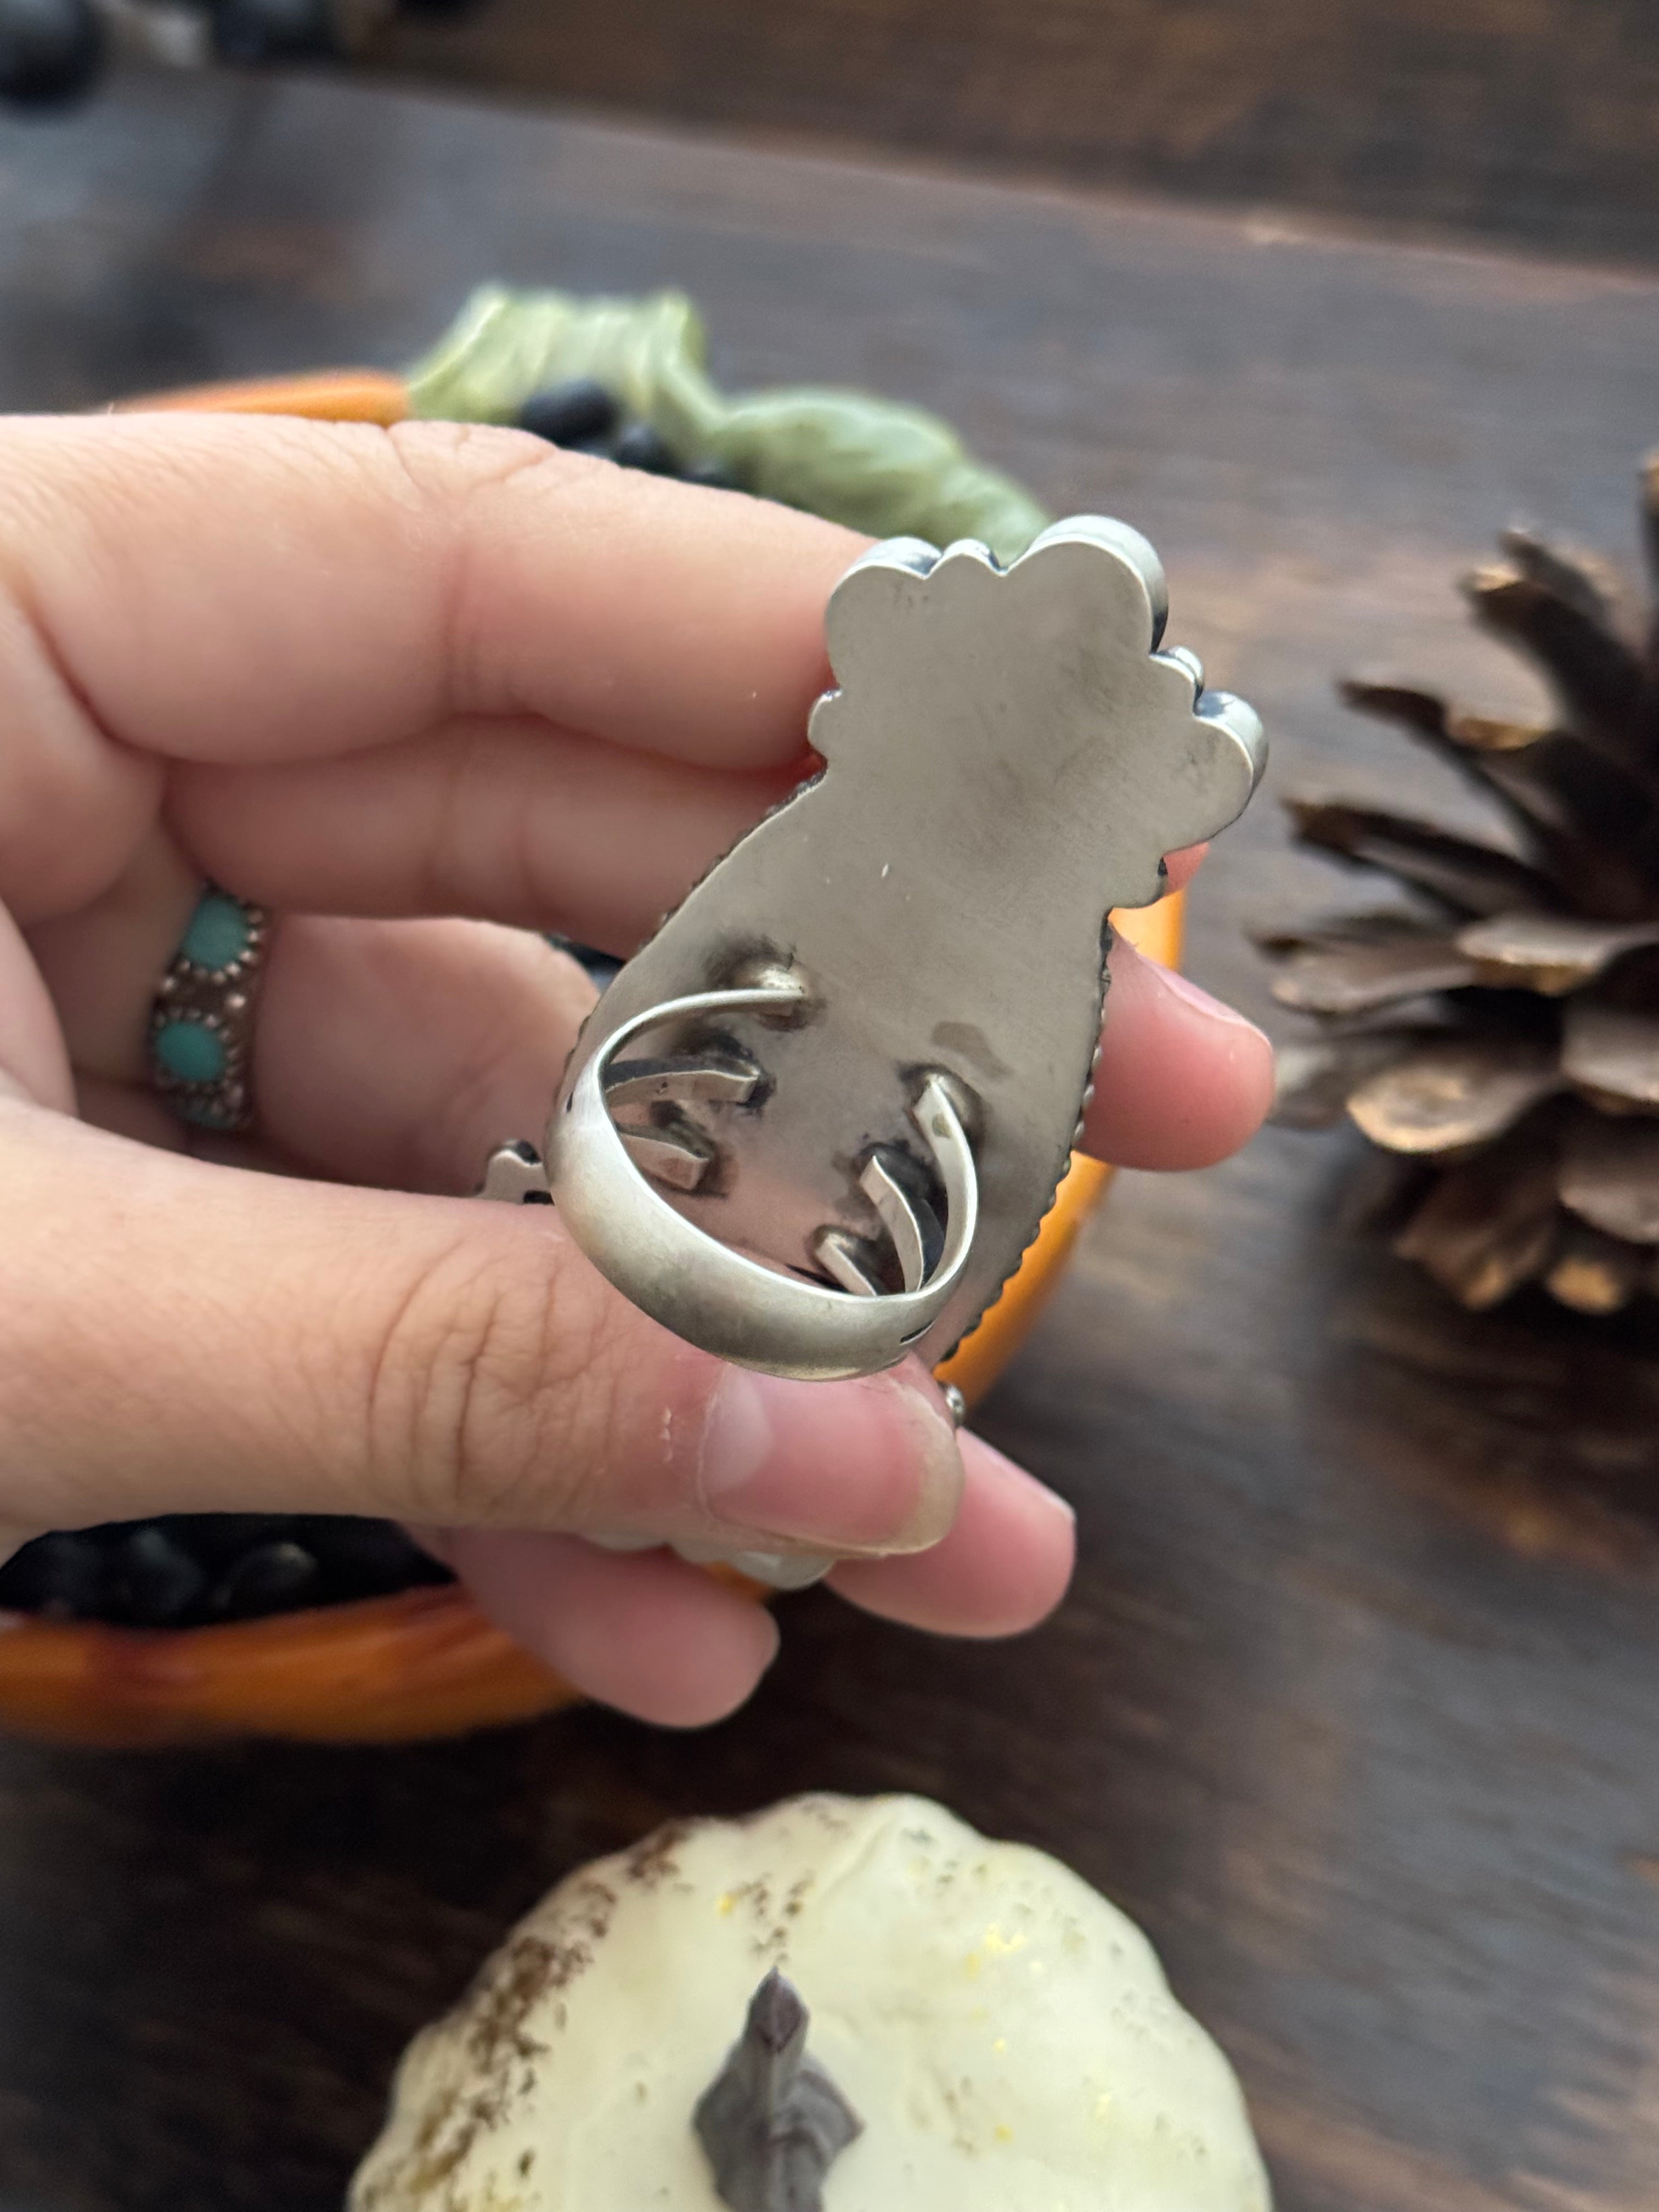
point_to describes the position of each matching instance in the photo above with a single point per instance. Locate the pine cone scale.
(1611, 1053)
(1550, 954)
(1601, 684)
(1610, 1177)
(1353, 979)
(1489, 1225)
(1448, 1096)
(1593, 1273)
(1457, 871)
(1315, 1082)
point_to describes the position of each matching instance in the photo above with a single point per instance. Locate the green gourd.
(872, 464)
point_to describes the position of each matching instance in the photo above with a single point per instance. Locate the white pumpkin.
(1005, 2035)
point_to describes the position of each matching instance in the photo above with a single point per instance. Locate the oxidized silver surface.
(816, 1120)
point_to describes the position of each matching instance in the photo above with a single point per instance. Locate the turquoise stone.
(218, 932)
(190, 1052)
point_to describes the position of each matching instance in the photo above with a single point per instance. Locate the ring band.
(201, 1024)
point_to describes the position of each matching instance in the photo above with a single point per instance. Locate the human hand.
(424, 693)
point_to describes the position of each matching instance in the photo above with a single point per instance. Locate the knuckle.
(471, 486)
(447, 465)
(488, 1396)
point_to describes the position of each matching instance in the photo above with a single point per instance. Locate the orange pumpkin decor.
(332, 395)
(424, 1663)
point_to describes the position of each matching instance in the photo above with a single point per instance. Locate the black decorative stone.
(271, 1578)
(59, 1576)
(217, 1541)
(187, 1570)
(51, 51)
(153, 1582)
(358, 1559)
(640, 447)
(600, 966)
(582, 417)
(580, 412)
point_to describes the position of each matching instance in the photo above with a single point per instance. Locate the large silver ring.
(733, 1306)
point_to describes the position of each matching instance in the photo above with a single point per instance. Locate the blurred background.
(1530, 120)
(1353, 1703)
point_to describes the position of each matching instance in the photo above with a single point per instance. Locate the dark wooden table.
(1533, 122)
(1355, 1704)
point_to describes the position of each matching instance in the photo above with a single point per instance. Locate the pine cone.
(1499, 1040)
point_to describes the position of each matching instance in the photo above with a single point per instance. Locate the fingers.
(515, 821)
(1002, 1569)
(366, 585)
(661, 1640)
(427, 582)
(185, 1338)
(1183, 1081)
(402, 1054)
(668, 1643)
(72, 805)
(34, 1062)
(102, 962)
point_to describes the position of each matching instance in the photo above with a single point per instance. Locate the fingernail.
(862, 1468)
(1183, 987)
(1040, 1495)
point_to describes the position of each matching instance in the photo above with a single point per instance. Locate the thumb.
(185, 1338)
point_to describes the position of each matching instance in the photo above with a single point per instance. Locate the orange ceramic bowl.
(425, 1662)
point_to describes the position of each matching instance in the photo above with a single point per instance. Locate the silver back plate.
(751, 1137)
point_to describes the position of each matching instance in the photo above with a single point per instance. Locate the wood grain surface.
(1532, 118)
(1355, 1704)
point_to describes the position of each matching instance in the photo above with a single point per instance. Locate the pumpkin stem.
(773, 2122)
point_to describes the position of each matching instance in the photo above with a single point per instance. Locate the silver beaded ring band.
(200, 1025)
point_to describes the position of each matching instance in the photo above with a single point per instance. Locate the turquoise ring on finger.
(200, 1025)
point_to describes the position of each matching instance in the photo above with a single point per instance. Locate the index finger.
(244, 589)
